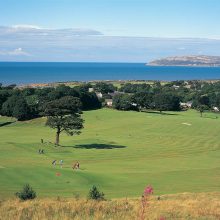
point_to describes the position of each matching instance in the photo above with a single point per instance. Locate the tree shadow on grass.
(98, 146)
(6, 123)
(210, 117)
(161, 113)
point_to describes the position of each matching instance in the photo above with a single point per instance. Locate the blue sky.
(155, 18)
(85, 22)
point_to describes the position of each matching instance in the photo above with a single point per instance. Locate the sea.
(22, 73)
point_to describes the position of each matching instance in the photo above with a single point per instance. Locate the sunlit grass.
(120, 152)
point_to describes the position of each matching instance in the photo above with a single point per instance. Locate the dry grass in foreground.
(180, 206)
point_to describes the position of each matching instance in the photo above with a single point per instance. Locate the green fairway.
(120, 152)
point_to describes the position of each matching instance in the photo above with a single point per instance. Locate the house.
(91, 89)
(134, 104)
(216, 109)
(176, 87)
(109, 102)
(186, 104)
(99, 94)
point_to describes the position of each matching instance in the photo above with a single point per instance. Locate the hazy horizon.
(107, 31)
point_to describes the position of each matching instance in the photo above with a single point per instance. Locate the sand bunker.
(188, 124)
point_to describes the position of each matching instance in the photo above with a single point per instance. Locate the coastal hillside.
(187, 61)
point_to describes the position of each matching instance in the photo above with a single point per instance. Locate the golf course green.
(120, 152)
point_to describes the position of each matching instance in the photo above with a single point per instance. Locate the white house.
(99, 94)
(109, 102)
(186, 104)
(91, 89)
(216, 109)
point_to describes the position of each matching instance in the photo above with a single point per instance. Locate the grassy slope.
(139, 149)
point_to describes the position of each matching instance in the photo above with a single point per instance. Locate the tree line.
(168, 96)
(63, 105)
(29, 103)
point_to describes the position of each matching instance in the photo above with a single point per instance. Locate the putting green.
(120, 152)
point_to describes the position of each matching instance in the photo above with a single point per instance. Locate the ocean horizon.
(48, 72)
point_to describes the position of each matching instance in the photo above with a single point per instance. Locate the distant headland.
(193, 60)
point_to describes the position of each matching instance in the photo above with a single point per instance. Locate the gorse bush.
(26, 193)
(95, 194)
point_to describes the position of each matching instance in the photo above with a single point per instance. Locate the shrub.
(26, 193)
(95, 194)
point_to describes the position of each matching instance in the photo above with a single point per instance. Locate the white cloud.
(33, 43)
(26, 26)
(16, 52)
(21, 31)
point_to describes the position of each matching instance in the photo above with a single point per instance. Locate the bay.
(33, 72)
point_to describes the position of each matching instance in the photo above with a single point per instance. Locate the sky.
(107, 30)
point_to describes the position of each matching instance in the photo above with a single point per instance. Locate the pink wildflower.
(148, 190)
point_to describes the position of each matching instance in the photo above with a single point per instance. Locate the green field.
(121, 152)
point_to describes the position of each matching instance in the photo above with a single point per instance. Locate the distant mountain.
(201, 60)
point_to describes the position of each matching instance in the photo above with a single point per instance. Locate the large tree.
(104, 88)
(89, 101)
(202, 103)
(201, 108)
(4, 94)
(21, 110)
(64, 114)
(16, 106)
(166, 102)
(144, 100)
(124, 102)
